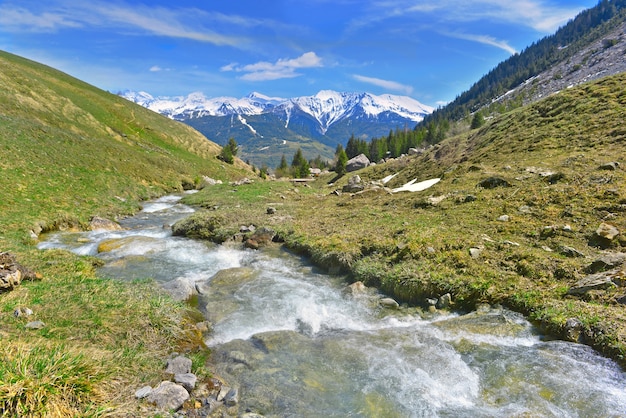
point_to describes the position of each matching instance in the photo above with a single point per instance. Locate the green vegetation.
(71, 151)
(417, 245)
(229, 151)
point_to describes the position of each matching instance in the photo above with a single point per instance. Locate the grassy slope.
(69, 152)
(414, 249)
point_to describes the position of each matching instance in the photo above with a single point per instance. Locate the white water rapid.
(298, 345)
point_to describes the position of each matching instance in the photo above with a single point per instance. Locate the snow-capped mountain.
(261, 124)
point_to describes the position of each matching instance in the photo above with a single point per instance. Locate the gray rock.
(444, 301)
(431, 302)
(504, 218)
(224, 390)
(187, 380)
(354, 185)
(180, 289)
(571, 252)
(606, 262)
(475, 252)
(22, 311)
(168, 396)
(271, 210)
(389, 303)
(178, 365)
(613, 165)
(596, 281)
(469, 198)
(232, 397)
(357, 163)
(143, 392)
(35, 325)
(524, 209)
(573, 330)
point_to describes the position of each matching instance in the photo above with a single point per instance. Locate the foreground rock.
(12, 273)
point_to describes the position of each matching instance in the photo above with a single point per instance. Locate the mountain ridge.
(266, 127)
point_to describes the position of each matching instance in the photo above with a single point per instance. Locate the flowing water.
(297, 344)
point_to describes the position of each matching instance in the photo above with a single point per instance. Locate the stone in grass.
(35, 325)
(143, 392)
(178, 365)
(168, 396)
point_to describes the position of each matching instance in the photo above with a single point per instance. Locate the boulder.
(606, 262)
(598, 281)
(573, 330)
(180, 289)
(389, 303)
(493, 182)
(357, 163)
(98, 223)
(444, 301)
(571, 251)
(168, 396)
(607, 231)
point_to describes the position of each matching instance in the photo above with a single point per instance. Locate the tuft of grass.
(48, 381)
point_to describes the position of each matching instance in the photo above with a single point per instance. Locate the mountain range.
(268, 127)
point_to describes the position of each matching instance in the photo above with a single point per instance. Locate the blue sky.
(429, 50)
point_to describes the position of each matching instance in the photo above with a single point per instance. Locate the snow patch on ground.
(416, 187)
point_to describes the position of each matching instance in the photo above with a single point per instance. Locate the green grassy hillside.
(71, 151)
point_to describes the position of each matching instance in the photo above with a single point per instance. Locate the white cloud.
(160, 21)
(19, 19)
(155, 69)
(386, 84)
(485, 39)
(283, 68)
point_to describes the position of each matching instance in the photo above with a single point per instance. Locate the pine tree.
(342, 160)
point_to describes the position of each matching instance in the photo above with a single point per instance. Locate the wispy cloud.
(485, 39)
(283, 68)
(537, 14)
(386, 84)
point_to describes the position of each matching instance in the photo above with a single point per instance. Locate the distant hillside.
(590, 46)
(268, 127)
(68, 145)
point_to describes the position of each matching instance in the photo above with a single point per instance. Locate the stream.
(297, 344)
